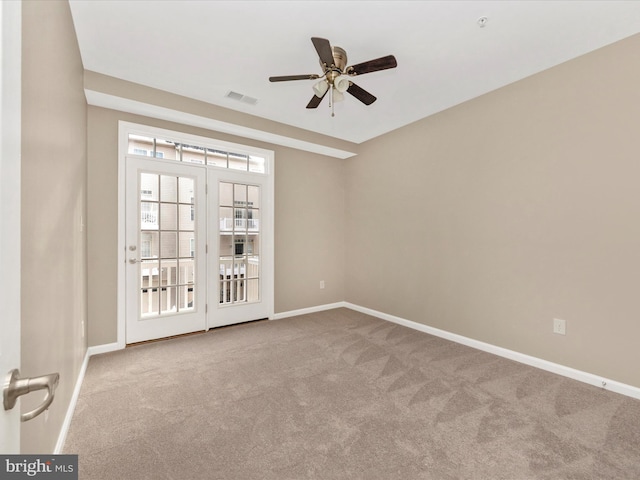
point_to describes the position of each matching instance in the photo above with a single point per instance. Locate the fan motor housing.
(339, 58)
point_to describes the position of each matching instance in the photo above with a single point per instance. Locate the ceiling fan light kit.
(321, 88)
(336, 76)
(342, 83)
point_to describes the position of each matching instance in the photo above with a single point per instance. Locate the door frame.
(124, 129)
(10, 161)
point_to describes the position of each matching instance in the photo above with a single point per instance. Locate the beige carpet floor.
(341, 395)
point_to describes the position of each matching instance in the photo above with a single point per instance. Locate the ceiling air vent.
(242, 98)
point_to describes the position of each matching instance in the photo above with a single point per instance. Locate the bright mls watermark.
(51, 467)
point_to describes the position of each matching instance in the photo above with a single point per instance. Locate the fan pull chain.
(331, 102)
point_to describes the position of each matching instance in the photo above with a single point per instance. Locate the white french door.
(240, 254)
(165, 249)
(198, 247)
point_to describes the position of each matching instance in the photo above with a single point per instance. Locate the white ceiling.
(204, 49)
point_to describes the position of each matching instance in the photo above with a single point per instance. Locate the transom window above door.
(198, 154)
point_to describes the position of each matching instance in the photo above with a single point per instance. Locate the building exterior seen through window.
(167, 244)
(200, 155)
(239, 248)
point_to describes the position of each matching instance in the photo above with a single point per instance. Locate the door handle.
(14, 386)
(134, 260)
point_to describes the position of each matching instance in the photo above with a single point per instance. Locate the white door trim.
(10, 160)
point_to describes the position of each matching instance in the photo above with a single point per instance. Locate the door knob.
(14, 386)
(134, 260)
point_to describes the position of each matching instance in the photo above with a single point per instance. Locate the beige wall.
(53, 303)
(309, 221)
(494, 217)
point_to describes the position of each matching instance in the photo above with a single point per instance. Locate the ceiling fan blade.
(286, 78)
(315, 101)
(382, 63)
(361, 94)
(323, 47)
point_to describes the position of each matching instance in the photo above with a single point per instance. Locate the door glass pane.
(253, 266)
(185, 190)
(148, 274)
(238, 161)
(148, 216)
(256, 164)
(149, 186)
(240, 219)
(168, 188)
(239, 243)
(225, 267)
(239, 295)
(239, 195)
(253, 194)
(186, 219)
(168, 244)
(187, 242)
(148, 245)
(186, 297)
(140, 145)
(167, 149)
(167, 222)
(226, 194)
(193, 154)
(168, 299)
(253, 246)
(168, 272)
(168, 216)
(149, 302)
(216, 158)
(253, 291)
(239, 267)
(253, 220)
(186, 272)
(226, 245)
(226, 219)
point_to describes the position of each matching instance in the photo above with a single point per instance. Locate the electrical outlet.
(559, 326)
(321, 284)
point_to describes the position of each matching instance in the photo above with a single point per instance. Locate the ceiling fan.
(336, 76)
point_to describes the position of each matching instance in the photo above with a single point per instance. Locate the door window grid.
(239, 234)
(167, 268)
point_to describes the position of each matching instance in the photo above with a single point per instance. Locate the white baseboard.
(305, 311)
(107, 347)
(565, 371)
(62, 436)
